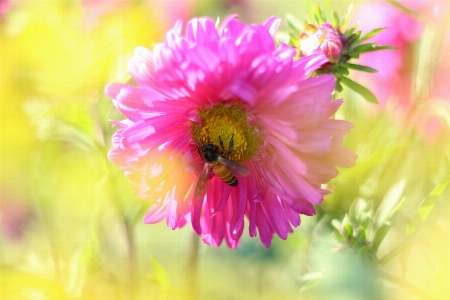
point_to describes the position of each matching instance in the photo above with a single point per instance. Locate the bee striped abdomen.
(225, 174)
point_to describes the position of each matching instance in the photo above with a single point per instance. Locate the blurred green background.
(70, 227)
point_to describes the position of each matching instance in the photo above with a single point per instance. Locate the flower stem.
(406, 285)
(127, 222)
(193, 266)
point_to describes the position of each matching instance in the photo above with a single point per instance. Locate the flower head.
(325, 39)
(14, 218)
(4, 8)
(402, 31)
(217, 103)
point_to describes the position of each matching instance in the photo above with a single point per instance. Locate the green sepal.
(338, 87)
(350, 31)
(363, 48)
(359, 67)
(339, 69)
(293, 40)
(371, 34)
(160, 274)
(377, 48)
(318, 14)
(370, 47)
(428, 203)
(293, 25)
(335, 21)
(354, 37)
(347, 17)
(359, 89)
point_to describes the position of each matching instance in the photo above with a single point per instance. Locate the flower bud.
(325, 40)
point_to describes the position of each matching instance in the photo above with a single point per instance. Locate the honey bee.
(224, 168)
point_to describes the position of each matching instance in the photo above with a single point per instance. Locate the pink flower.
(401, 32)
(4, 8)
(325, 40)
(232, 89)
(14, 218)
(399, 93)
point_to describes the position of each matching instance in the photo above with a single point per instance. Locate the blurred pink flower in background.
(95, 9)
(395, 84)
(167, 10)
(229, 87)
(14, 218)
(394, 72)
(4, 8)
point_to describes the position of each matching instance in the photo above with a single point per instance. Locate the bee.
(224, 168)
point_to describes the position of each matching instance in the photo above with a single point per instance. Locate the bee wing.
(236, 168)
(202, 184)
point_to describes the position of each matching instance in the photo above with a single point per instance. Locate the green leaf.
(362, 252)
(370, 47)
(160, 273)
(405, 9)
(309, 12)
(362, 48)
(371, 34)
(362, 235)
(354, 37)
(377, 48)
(217, 22)
(310, 285)
(335, 19)
(338, 86)
(318, 14)
(391, 203)
(358, 67)
(348, 231)
(443, 112)
(66, 123)
(400, 248)
(354, 209)
(337, 69)
(428, 203)
(293, 40)
(387, 212)
(356, 244)
(359, 89)
(404, 258)
(293, 25)
(351, 30)
(313, 276)
(347, 17)
(336, 224)
(379, 236)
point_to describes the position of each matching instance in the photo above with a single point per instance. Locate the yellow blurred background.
(70, 227)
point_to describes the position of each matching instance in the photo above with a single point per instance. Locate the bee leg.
(230, 145)
(199, 152)
(221, 145)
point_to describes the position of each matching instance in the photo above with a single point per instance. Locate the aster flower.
(325, 39)
(339, 43)
(4, 8)
(14, 218)
(403, 31)
(231, 89)
(423, 101)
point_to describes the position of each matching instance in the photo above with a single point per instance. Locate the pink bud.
(325, 40)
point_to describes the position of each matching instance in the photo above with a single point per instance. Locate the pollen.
(227, 128)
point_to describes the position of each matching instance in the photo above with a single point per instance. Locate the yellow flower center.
(221, 124)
